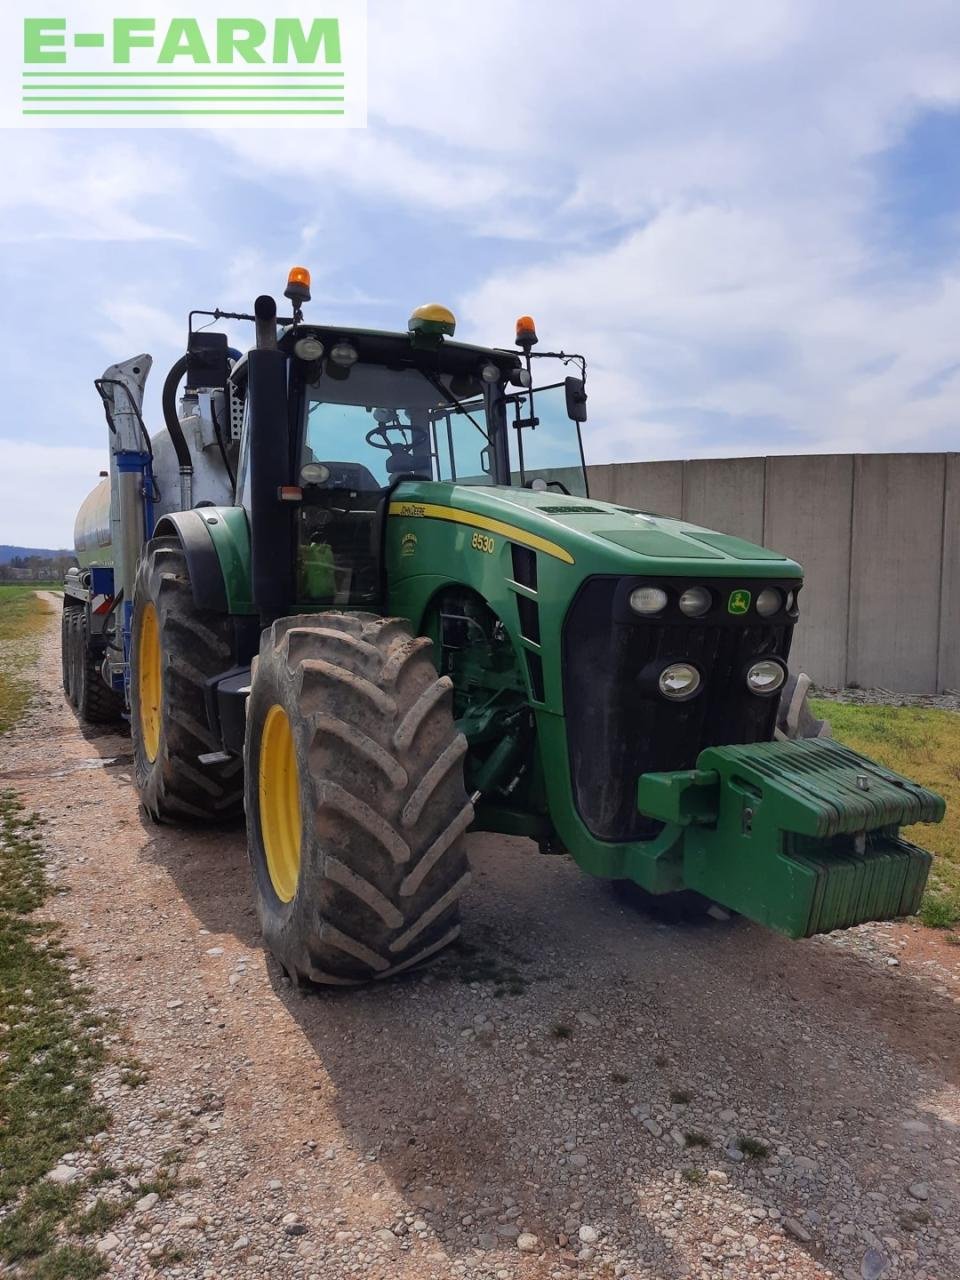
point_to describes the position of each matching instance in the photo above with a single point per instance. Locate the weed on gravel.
(752, 1148)
(50, 1050)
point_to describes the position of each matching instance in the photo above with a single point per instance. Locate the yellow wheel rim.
(149, 681)
(280, 803)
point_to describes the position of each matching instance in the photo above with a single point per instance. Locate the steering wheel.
(378, 437)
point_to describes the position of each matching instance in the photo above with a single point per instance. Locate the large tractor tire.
(97, 703)
(175, 648)
(356, 808)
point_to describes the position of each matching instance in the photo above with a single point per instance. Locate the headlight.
(679, 681)
(344, 354)
(769, 601)
(791, 601)
(308, 349)
(695, 601)
(648, 599)
(765, 676)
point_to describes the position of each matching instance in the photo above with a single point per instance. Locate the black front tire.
(194, 645)
(382, 810)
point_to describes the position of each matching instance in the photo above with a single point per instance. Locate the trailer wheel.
(175, 649)
(97, 702)
(67, 662)
(356, 808)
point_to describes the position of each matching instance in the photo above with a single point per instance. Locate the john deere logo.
(739, 602)
(408, 544)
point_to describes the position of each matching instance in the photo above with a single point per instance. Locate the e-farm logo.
(143, 66)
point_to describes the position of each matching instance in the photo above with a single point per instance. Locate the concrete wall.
(878, 536)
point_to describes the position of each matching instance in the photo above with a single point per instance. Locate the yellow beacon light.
(298, 286)
(526, 332)
(432, 320)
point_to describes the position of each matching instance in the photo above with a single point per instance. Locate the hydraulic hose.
(172, 422)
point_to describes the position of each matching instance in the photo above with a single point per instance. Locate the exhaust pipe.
(265, 312)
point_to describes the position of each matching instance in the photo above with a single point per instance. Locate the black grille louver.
(619, 727)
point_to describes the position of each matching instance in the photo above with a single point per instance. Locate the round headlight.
(344, 354)
(791, 601)
(679, 681)
(695, 601)
(648, 599)
(308, 349)
(769, 601)
(314, 473)
(490, 373)
(765, 676)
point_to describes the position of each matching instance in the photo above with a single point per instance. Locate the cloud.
(87, 192)
(41, 487)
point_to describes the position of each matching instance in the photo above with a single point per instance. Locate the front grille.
(618, 727)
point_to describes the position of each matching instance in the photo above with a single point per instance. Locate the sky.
(746, 216)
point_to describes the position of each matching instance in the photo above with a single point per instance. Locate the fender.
(216, 543)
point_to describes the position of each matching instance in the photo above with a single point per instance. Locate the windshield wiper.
(452, 400)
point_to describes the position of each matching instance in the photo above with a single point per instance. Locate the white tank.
(91, 531)
(211, 484)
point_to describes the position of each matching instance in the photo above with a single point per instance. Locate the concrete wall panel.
(895, 571)
(808, 517)
(656, 487)
(725, 494)
(949, 658)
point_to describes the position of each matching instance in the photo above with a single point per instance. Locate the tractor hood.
(627, 540)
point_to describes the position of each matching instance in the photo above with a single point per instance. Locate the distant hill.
(7, 553)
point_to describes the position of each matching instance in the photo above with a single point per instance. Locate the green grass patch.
(21, 616)
(50, 1050)
(924, 745)
(753, 1148)
(694, 1138)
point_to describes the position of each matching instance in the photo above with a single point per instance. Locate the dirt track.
(418, 1128)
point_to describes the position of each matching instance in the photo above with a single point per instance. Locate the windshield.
(376, 425)
(545, 447)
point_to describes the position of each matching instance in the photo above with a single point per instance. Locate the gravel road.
(580, 1090)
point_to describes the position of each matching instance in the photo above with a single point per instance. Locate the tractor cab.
(369, 410)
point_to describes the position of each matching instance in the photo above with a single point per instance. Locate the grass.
(50, 1050)
(923, 744)
(21, 614)
(753, 1148)
(694, 1138)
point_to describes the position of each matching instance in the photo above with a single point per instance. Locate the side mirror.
(576, 399)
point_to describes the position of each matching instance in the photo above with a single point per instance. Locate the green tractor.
(357, 588)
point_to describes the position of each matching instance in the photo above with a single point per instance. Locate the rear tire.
(175, 648)
(73, 655)
(97, 702)
(356, 808)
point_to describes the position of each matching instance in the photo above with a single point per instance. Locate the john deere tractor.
(358, 590)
